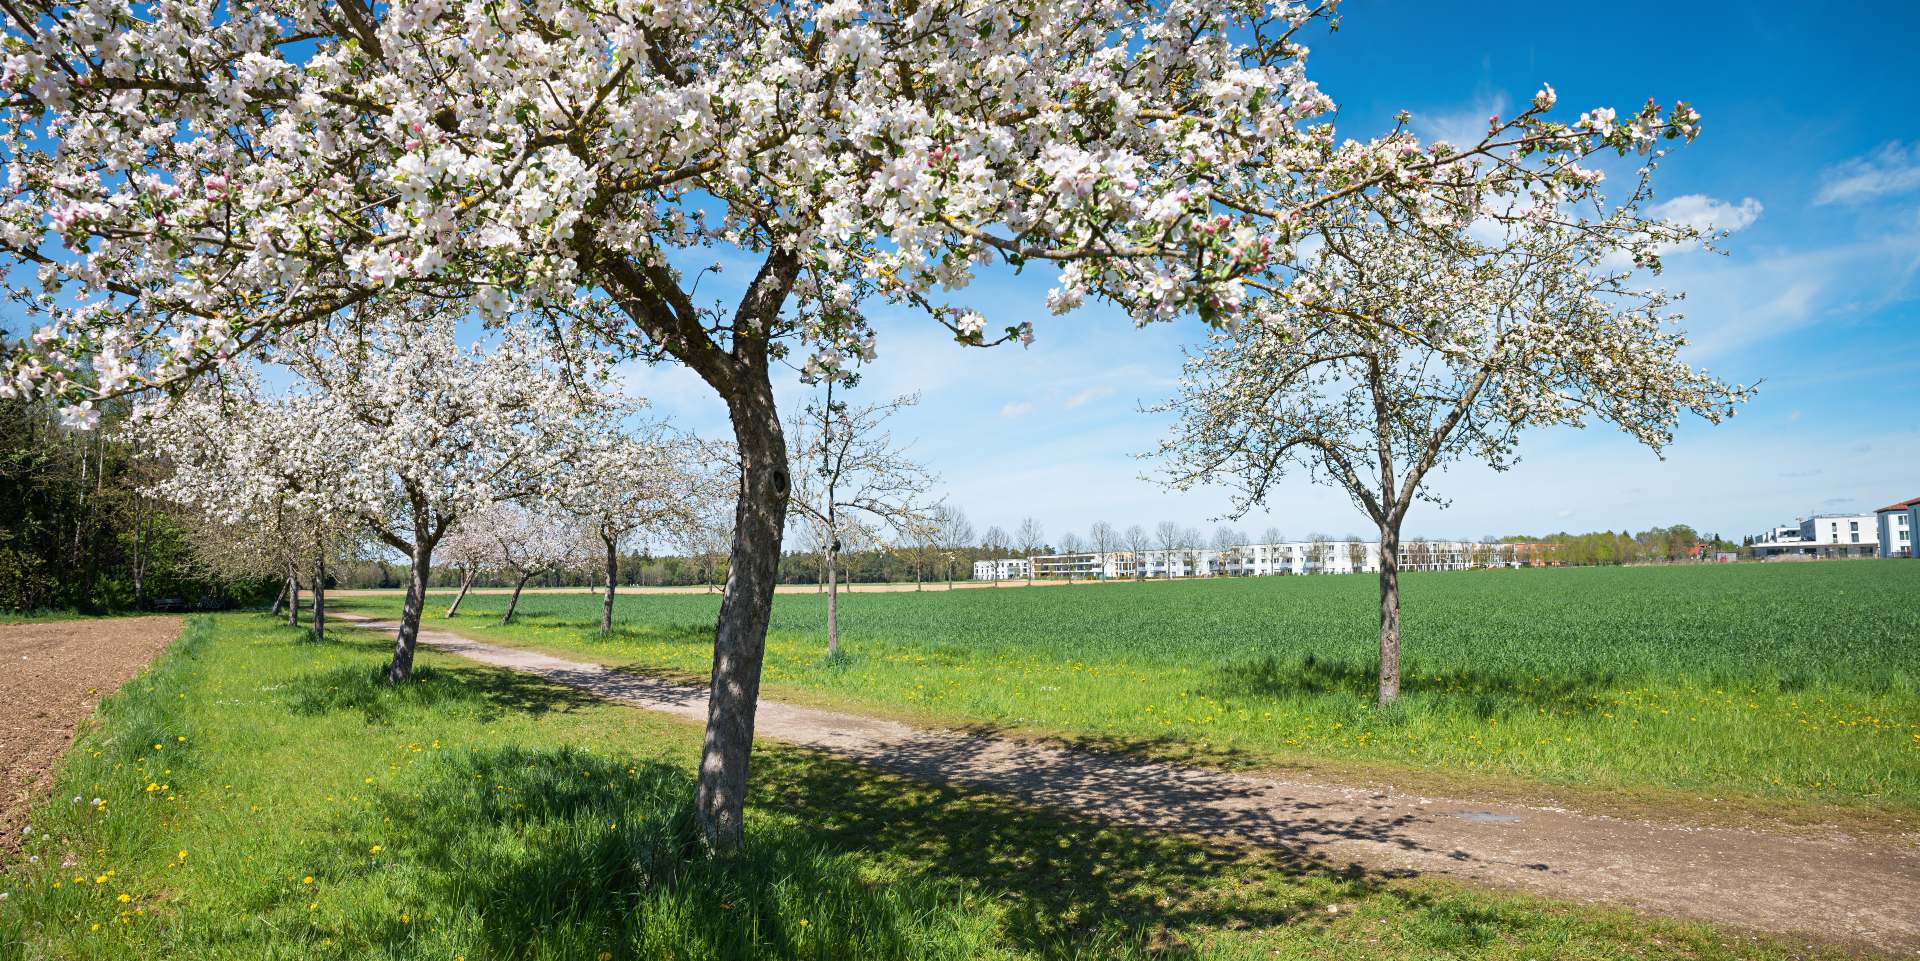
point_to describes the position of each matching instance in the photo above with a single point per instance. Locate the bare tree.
(849, 477)
(955, 534)
(1356, 554)
(1033, 540)
(1168, 536)
(1104, 540)
(1190, 548)
(1228, 542)
(1070, 545)
(1138, 542)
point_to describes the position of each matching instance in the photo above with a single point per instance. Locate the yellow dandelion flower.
(125, 898)
(374, 850)
(307, 880)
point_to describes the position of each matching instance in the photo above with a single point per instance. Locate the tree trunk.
(1389, 613)
(613, 574)
(280, 598)
(293, 594)
(833, 602)
(467, 577)
(401, 670)
(739, 638)
(513, 603)
(320, 597)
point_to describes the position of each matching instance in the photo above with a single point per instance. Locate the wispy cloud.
(1016, 408)
(1709, 213)
(1892, 169)
(1087, 396)
(1462, 127)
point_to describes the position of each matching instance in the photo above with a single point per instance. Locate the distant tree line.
(1654, 545)
(77, 533)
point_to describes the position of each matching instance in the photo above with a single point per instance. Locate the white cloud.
(1709, 214)
(1087, 396)
(1894, 168)
(1016, 408)
(1465, 127)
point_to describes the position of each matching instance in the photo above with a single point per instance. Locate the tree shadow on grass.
(565, 853)
(1065, 882)
(483, 693)
(1485, 693)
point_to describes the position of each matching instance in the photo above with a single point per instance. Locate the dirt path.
(1832, 889)
(51, 676)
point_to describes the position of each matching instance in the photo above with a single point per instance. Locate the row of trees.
(507, 456)
(187, 189)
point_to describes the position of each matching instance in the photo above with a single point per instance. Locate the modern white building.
(1253, 560)
(1860, 529)
(1894, 526)
(1004, 569)
(1822, 535)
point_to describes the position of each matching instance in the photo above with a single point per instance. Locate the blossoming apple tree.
(523, 541)
(261, 482)
(194, 181)
(1417, 338)
(647, 481)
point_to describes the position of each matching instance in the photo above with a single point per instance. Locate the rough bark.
(1389, 613)
(320, 597)
(739, 641)
(293, 594)
(467, 577)
(613, 574)
(833, 599)
(401, 669)
(513, 603)
(280, 599)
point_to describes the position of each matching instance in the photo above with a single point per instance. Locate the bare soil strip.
(51, 676)
(1835, 889)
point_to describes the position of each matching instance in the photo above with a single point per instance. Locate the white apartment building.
(1822, 535)
(1253, 560)
(1862, 529)
(1004, 569)
(1894, 527)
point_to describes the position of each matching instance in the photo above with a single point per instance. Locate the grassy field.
(1793, 686)
(258, 796)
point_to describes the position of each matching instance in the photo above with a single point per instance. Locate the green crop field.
(260, 796)
(1795, 686)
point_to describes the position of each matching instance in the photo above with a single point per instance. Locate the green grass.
(258, 796)
(1794, 686)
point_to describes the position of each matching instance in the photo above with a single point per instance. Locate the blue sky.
(1810, 147)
